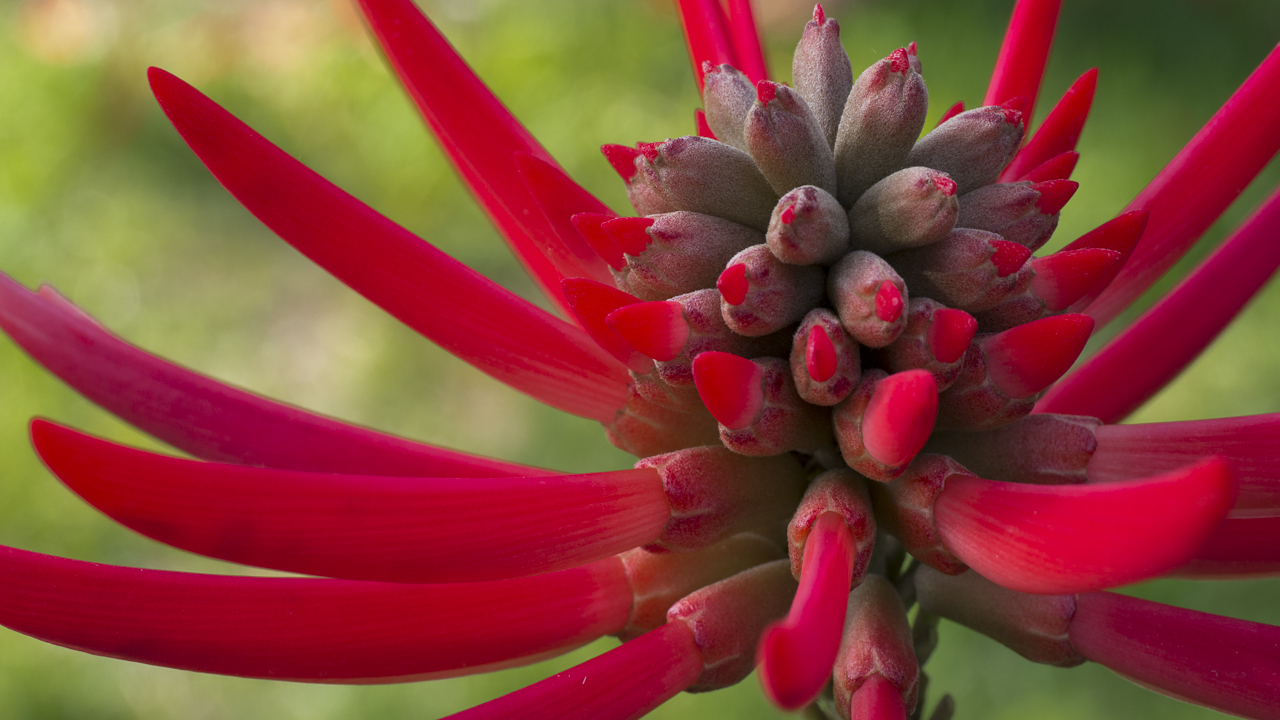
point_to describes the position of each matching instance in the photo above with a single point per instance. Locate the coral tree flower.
(824, 333)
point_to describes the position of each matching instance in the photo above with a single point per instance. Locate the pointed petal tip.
(820, 358)
(1026, 359)
(657, 329)
(730, 386)
(1009, 257)
(950, 333)
(1066, 276)
(900, 416)
(1054, 195)
(622, 158)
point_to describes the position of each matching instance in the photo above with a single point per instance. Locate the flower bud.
(825, 362)
(1059, 280)
(1022, 212)
(644, 197)
(645, 428)
(1045, 449)
(841, 491)
(761, 295)
(876, 647)
(971, 270)
(757, 407)
(904, 509)
(786, 142)
(935, 339)
(869, 296)
(910, 208)
(822, 73)
(727, 95)
(886, 421)
(808, 227)
(972, 147)
(709, 177)
(675, 253)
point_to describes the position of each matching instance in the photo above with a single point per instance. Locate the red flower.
(825, 323)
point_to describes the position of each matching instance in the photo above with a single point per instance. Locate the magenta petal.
(1242, 545)
(1229, 665)
(1059, 132)
(1062, 539)
(203, 417)
(1199, 184)
(456, 307)
(1251, 444)
(625, 683)
(877, 698)
(1160, 344)
(1024, 54)
(560, 198)
(332, 631)
(746, 41)
(359, 527)
(706, 31)
(479, 135)
(797, 653)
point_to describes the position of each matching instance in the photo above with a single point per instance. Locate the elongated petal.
(456, 307)
(1062, 539)
(1251, 444)
(1221, 663)
(1160, 344)
(362, 527)
(333, 631)
(747, 45)
(1241, 546)
(1024, 54)
(479, 135)
(1199, 184)
(203, 417)
(1059, 132)
(560, 198)
(623, 684)
(706, 31)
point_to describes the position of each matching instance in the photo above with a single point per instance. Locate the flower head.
(825, 334)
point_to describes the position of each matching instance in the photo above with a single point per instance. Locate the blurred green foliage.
(99, 197)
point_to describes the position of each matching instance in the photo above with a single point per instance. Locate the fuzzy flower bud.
(972, 147)
(676, 253)
(808, 227)
(822, 73)
(709, 177)
(825, 362)
(911, 208)
(761, 295)
(870, 298)
(727, 95)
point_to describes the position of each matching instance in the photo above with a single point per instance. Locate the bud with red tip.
(884, 424)
(808, 227)
(971, 270)
(708, 177)
(825, 363)
(881, 121)
(1060, 280)
(1060, 131)
(904, 508)
(870, 298)
(972, 147)
(1004, 373)
(876, 668)
(643, 427)
(591, 303)
(1121, 234)
(822, 73)
(911, 208)
(715, 493)
(727, 95)
(659, 579)
(757, 406)
(1058, 167)
(1034, 626)
(1045, 449)
(786, 141)
(1022, 212)
(728, 617)
(935, 339)
(644, 197)
(761, 295)
(675, 253)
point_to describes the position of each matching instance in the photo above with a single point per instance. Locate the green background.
(99, 197)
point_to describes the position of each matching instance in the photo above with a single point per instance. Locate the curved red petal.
(359, 527)
(1059, 132)
(706, 31)
(1241, 546)
(655, 329)
(1130, 369)
(1199, 184)
(208, 419)
(1067, 275)
(560, 198)
(1062, 539)
(592, 302)
(1229, 665)
(479, 135)
(900, 416)
(1024, 54)
(877, 698)
(332, 631)
(625, 683)
(1026, 359)
(745, 39)
(465, 313)
(730, 387)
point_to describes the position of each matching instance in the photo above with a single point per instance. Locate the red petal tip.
(623, 160)
(1026, 359)
(820, 359)
(730, 387)
(1009, 256)
(898, 61)
(900, 416)
(1058, 167)
(951, 112)
(733, 284)
(950, 333)
(888, 302)
(766, 91)
(1064, 277)
(911, 48)
(629, 233)
(1054, 195)
(818, 15)
(589, 227)
(656, 329)
(945, 184)
(877, 699)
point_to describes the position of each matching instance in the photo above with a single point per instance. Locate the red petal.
(1160, 344)
(307, 629)
(456, 307)
(1065, 276)
(700, 121)
(625, 683)
(1221, 663)
(1241, 546)
(1058, 167)
(888, 302)
(590, 227)
(706, 31)
(951, 112)
(730, 387)
(1251, 444)
(361, 527)
(203, 417)
(1054, 195)
(900, 416)
(820, 358)
(950, 333)
(733, 284)
(1062, 539)
(877, 699)
(1009, 257)
(1060, 130)
(1198, 185)
(796, 654)
(592, 302)
(746, 41)
(479, 135)
(1024, 54)
(560, 198)
(656, 329)
(1026, 359)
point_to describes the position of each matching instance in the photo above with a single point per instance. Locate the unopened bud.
(727, 95)
(676, 253)
(870, 298)
(1045, 449)
(825, 362)
(757, 407)
(911, 208)
(972, 147)
(876, 647)
(884, 424)
(821, 72)
(644, 197)
(760, 294)
(1022, 212)
(840, 491)
(786, 142)
(808, 227)
(1060, 280)
(880, 122)
(935, 339)
(708, 177)
(645, 428)
(904, 509)
(971, 270)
